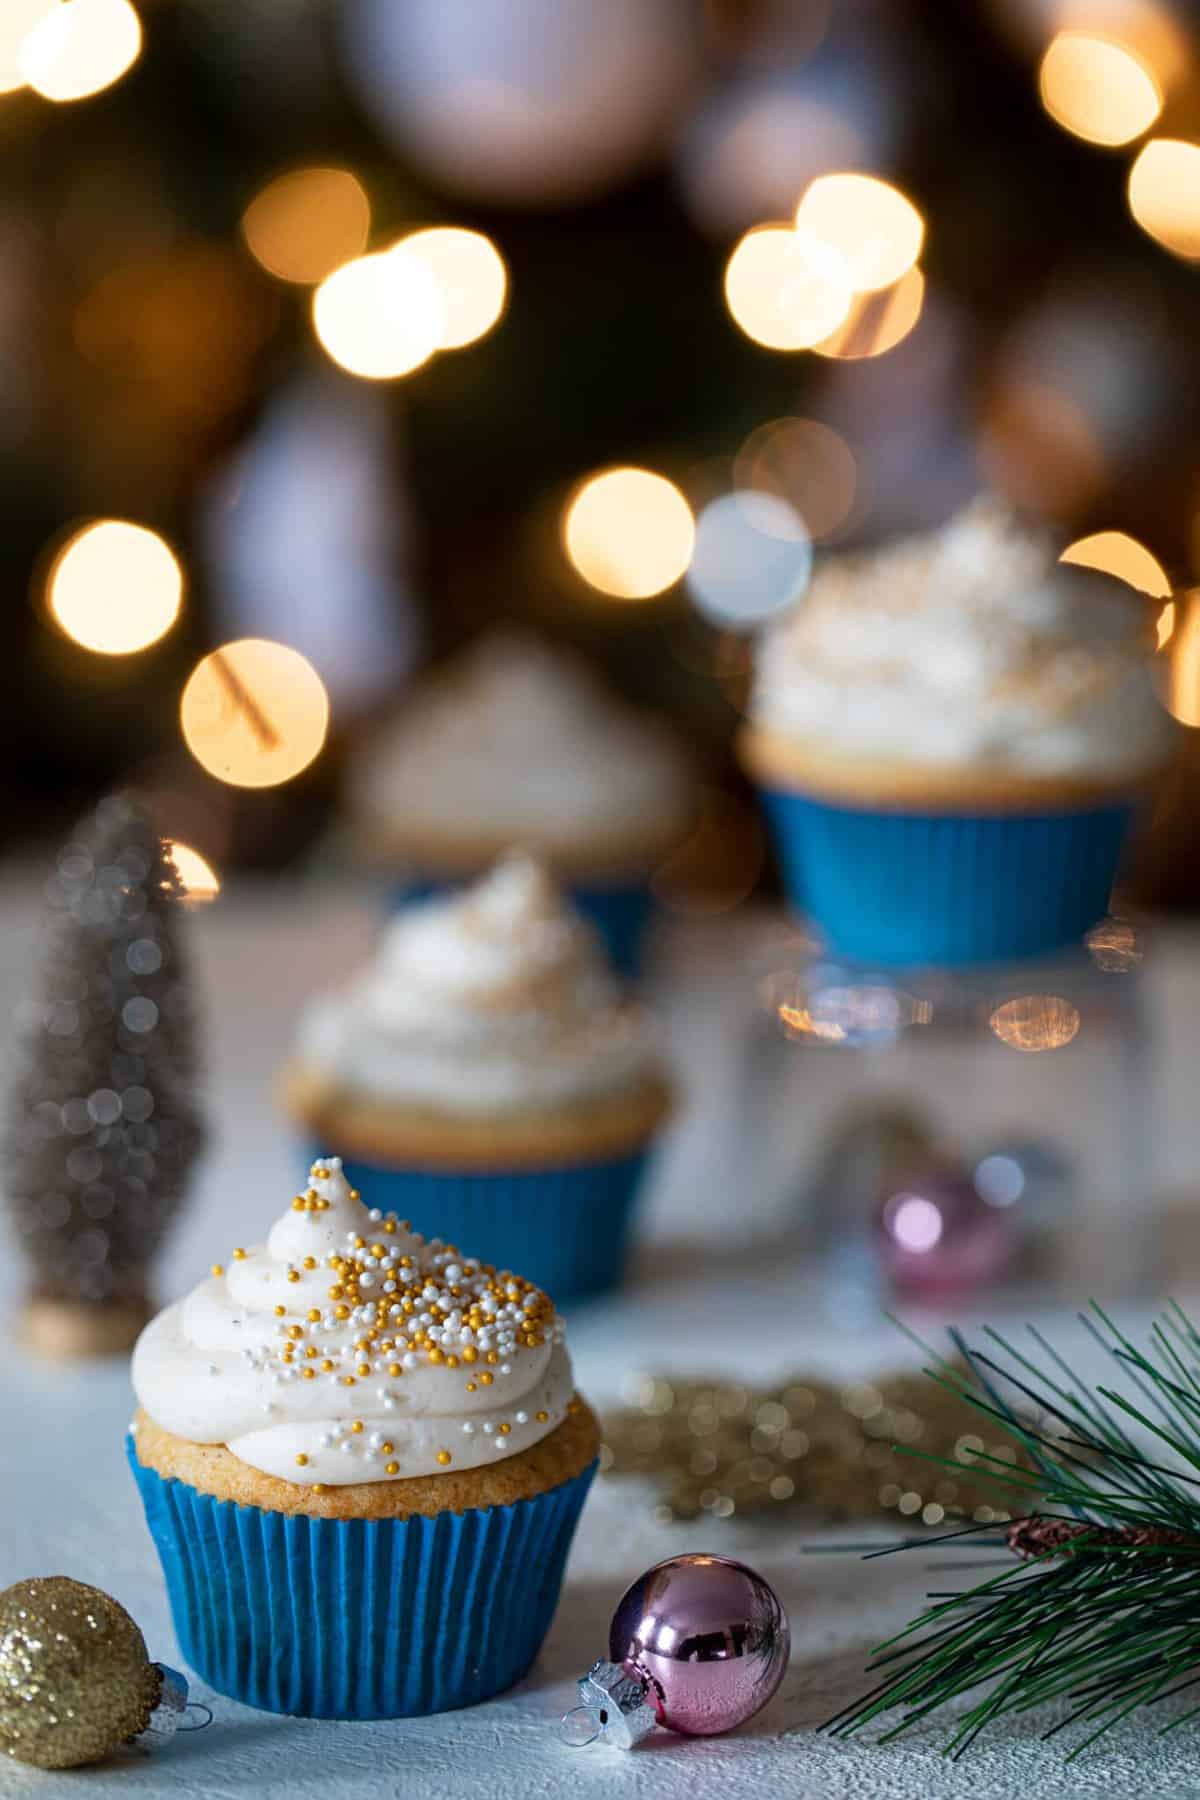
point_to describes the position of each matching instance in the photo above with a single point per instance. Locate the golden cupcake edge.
(889, 784)
(391, 1134)
(214, 1470)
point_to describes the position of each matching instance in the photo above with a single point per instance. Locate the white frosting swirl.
(517, 743)
(968, 646)
(494, 999)
(424, 1359)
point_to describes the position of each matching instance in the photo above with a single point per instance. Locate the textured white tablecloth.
(67, 1504)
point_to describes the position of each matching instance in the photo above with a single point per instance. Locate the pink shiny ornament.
(940, 1238)
(707, 1636)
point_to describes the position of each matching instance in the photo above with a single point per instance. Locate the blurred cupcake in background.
(489, 1079)
(360, 1513)
(517, 743)
(952, 736)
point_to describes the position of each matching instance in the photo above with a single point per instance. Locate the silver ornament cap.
(617, 1703)
(170, 1711)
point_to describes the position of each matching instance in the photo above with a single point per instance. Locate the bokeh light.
(199, 878)
(806, 463)
(115, 587)
(1116, 553)
(787, 289)
(1039, 447)
(471, 276)
(17, 20)
(875, 229)
(1165, 627)
(752, 559)
(307, 223)
(80, 48)
(915, 1222)
(1036, 1022)
(1164, 194)
(254, 713)
(877, 321)
(1097, 88)
(380, 316)
(1180, 686)
(629, 533)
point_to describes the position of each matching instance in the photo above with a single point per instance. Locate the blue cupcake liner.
(567, 1229)
(621, 914)
(359, 1618)
(898, 888)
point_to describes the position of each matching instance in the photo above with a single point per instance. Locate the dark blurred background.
(161, 366)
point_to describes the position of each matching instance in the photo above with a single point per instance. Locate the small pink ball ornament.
(698, 1643)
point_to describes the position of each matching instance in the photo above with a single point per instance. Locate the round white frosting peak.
(972, 646)
(517, 742)
(495, 998)
(349, 1349)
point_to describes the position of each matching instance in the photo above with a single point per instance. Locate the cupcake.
(952, 737)
(516, 743)
(488, 1077)
(362, 1461)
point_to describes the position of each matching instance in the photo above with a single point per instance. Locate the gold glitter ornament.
(75, 1679)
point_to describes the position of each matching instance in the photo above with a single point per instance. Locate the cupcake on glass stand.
(362, 1460)
(489, 1078)
(516, 743)
(952, 736)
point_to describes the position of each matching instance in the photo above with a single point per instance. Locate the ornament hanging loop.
(617, 1703)
(577, 1734)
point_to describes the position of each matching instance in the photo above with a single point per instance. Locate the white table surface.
(67, 1505)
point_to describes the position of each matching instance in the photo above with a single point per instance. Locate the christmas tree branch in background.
(1101, 1610)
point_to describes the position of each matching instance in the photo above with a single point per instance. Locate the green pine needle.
(1105, 1628)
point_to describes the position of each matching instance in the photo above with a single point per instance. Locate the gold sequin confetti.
(720, 1448)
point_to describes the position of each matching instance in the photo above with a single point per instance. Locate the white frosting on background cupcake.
(518, 743)
(489, 1000)
(386, 1379)
(968, 646)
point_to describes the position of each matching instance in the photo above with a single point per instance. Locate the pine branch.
(1101, 1606)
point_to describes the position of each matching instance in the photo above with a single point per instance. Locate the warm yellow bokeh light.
(877, 321)
(1179, 686)
(380, 316)
(1116, 553)
(876, 230)
(1099, 89)
(115, 587)
(304, 225)
(254, 713)
(629, 533)
(1165, 625)
(472, 278)
(196, 873)
(786, 289)
(80, 48)
(1164, 194)
(17, 20)
(1036, 1022)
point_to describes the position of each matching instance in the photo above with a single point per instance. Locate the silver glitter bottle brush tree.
(102, 1125)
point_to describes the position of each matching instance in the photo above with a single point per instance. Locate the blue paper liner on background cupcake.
(899, 888)
(953, 734)
(568, 1229)
(621, 913)
(490, 1077)
(359, 1618)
